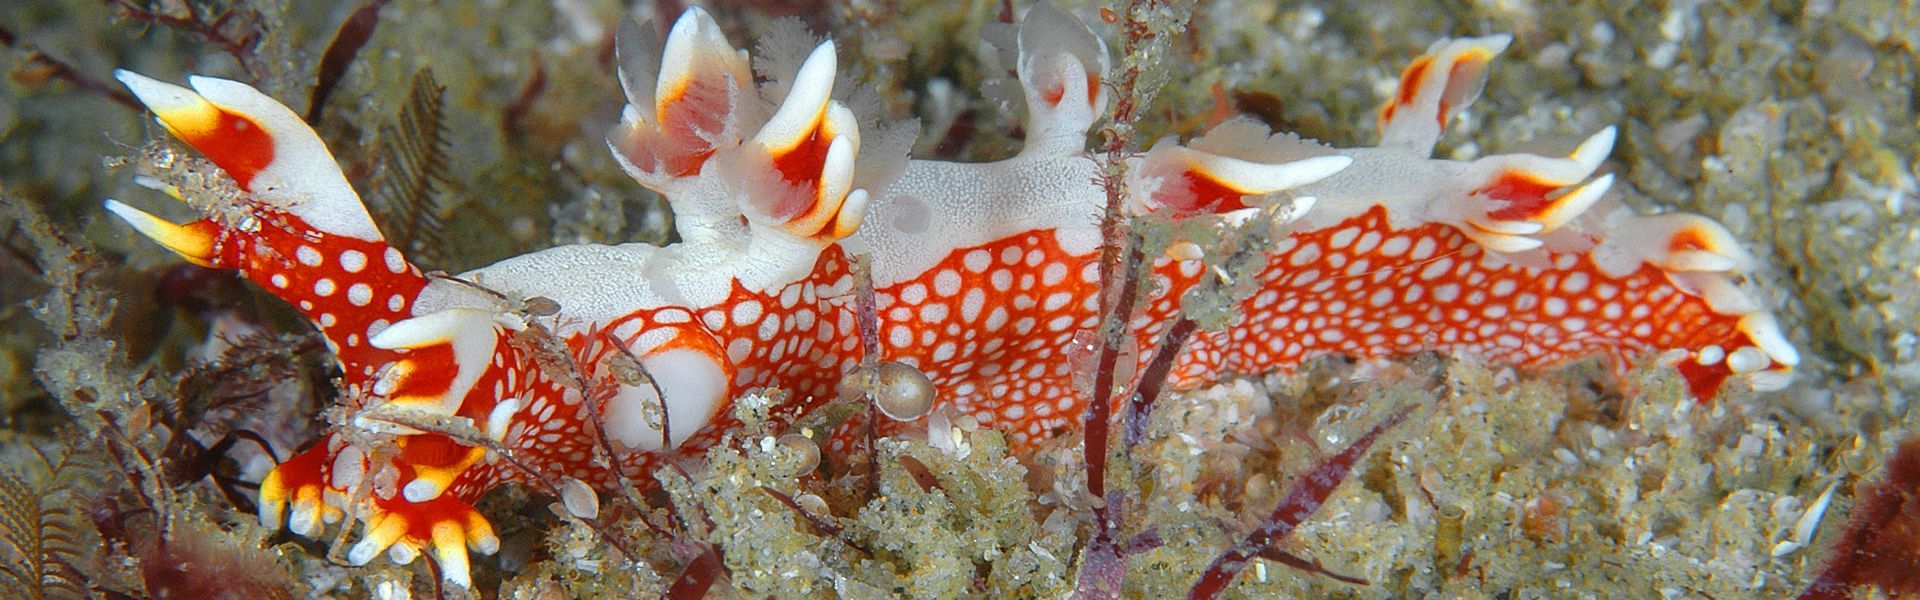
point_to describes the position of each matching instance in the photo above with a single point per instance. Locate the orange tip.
(194, 241)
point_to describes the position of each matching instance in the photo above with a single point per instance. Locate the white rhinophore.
(1062, 68)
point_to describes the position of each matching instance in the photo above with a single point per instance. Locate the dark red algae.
(1881, 548)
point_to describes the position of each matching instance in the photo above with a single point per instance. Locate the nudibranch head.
(288, 220)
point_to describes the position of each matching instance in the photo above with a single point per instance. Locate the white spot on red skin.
(1057, 301)
(1002, 280)
(790, 296)
(977, 261)
(971, 304)
(1574, 283)
(946, 283)
(914, 294)
(747, 313)
(353, 261)
(1504, 287)
(934, 313)
(1423, 249)
(1343, 237)
(1305, 255)
(1054, 274)
(996, 319)
(307, 255)
(1368, 241)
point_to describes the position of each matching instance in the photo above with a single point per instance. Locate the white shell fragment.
(579, 498)
(805, 450)
(899, 390)
(1808, 524)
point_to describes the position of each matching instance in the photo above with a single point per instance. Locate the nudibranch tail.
(1540, 266)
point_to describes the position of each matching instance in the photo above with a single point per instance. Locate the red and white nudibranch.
(983, 272)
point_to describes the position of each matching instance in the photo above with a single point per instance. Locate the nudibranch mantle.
(983, 273)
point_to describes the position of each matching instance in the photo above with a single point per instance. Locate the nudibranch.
(983, 272)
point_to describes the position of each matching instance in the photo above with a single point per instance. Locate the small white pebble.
(1784, 548)
(1747, 360)
(1566, 456)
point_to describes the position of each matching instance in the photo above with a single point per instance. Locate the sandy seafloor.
(1794, 123)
